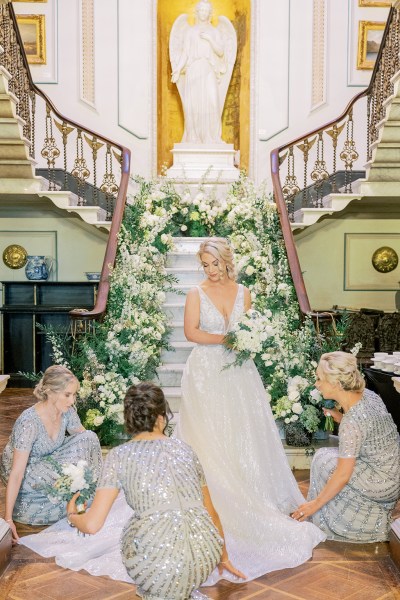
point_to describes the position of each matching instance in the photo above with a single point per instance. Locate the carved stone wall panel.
(87, 52)
(318, 92)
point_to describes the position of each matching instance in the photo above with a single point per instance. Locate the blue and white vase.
(37, 268)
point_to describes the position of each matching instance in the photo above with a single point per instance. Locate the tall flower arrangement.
(126, 346)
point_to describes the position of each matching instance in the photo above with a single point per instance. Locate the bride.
(226, 418)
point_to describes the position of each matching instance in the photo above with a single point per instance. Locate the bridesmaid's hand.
(15, 536)
(228, 566)
(334, 413)
(304, 511)
(71, 505)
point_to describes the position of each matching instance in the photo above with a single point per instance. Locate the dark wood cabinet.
(23, 345)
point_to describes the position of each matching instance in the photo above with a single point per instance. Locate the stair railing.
(67, 147)
(308, 178)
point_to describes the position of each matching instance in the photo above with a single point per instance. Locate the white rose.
(294, 418)
(98, 420)
(183, 228)
(293, 394)
(249, 270)
(287, 420)
(315, 395)
(297, 408)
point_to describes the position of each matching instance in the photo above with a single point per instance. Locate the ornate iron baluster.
(50, 151)
(319, 174)
(80, 170)
(349, 153)
(305, 147)
(65, 130)
(334, 134)
(290, 187)
(109, 185)
(95, 146)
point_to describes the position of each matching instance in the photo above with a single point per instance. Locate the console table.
(24, 304)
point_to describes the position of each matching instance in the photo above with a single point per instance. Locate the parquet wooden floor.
(336, 571)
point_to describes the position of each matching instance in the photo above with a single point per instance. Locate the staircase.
(382, 175)
(184, 265)
(18, 180)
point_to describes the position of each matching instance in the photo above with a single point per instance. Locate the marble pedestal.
(210, 163)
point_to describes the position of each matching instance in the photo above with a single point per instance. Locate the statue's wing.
(176, 45)
(229, 39)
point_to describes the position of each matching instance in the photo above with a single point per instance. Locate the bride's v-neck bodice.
(211, 319)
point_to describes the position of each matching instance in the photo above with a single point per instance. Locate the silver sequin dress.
(32, 505)
(170, 545)
(361, 511)
(226, 417)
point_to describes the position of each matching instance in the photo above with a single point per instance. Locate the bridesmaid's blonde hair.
(340, 368)
(221, 250)
(55, 379)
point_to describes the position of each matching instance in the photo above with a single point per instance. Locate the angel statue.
(202, 58)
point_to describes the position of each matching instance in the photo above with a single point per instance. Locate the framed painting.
(382, 3)
(370, 35)
(33, 34)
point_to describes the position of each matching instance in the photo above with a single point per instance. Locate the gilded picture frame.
(33, 33)
(369, 39)
(29, 1)
(381, 3)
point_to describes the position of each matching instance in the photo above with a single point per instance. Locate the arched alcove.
(236, 114)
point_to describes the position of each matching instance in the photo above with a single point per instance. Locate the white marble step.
(177, 334)
(173, 396)
(188, 277)
(175, 311)
(170, 375)
(179, 352)
(187, 244)
(186, 260)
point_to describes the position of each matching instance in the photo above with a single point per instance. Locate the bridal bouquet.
(72, 478)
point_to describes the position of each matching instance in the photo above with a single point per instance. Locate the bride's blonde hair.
(221, 250)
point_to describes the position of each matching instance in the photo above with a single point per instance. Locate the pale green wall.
(78, 247)
(322, 257)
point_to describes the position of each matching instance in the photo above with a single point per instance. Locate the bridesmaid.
(40, 432)
(353, 489)
(173, 541)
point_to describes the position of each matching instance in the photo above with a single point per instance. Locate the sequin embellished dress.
(170, 545)
(29, 434)
(226, 417)
(361, 511)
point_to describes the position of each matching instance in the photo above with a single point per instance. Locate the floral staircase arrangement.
(126, 347)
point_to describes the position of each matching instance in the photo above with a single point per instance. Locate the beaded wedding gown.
(226, 418)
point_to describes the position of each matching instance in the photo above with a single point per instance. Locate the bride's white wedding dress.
(226, 418)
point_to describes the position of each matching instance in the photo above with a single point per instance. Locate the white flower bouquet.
(72, 478)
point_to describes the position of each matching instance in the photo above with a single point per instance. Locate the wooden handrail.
(111, 248)
(291, 250)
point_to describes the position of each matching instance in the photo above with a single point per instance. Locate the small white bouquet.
(72, 478)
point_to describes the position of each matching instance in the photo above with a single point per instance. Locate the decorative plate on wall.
(385, 259)
(15, 256)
